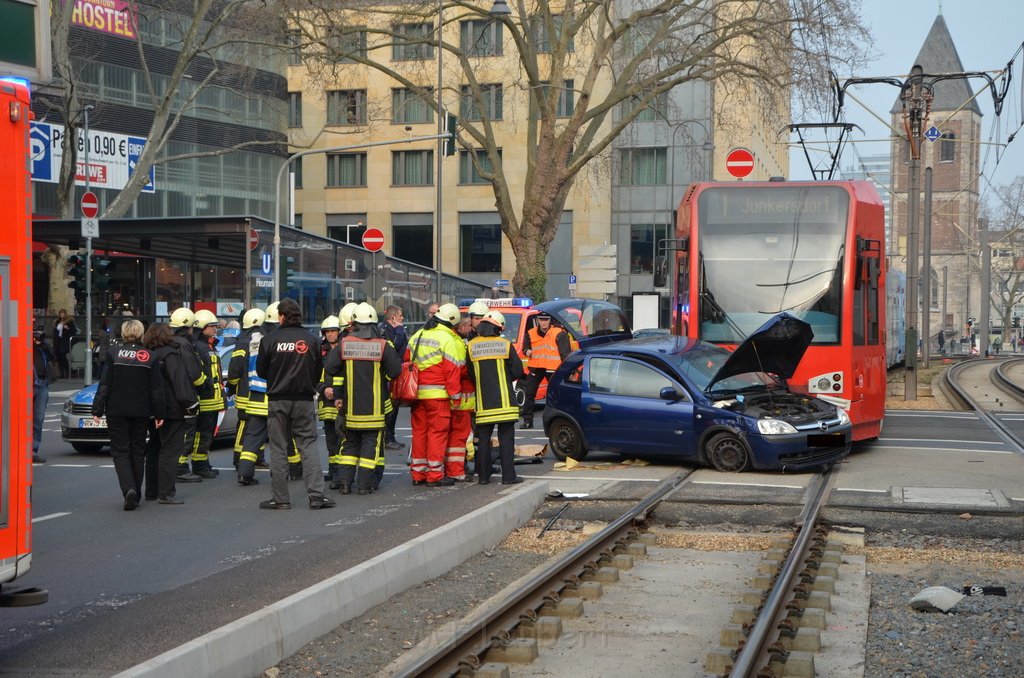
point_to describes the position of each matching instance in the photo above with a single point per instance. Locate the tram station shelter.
(151, 266)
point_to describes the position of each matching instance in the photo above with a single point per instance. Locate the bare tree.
(596, 55)
(1007, 241)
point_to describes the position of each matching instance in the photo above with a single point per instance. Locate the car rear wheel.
(727, 453)
(88, 448)
(566, 440)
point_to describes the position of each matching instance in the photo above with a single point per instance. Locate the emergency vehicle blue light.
(17, 81)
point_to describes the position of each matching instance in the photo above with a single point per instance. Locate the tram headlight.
(844, 418)
(774, 427)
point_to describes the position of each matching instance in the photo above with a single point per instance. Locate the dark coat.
(177, 399)
(62, 340)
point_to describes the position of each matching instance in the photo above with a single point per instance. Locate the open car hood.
(588, 321)
(776, 348)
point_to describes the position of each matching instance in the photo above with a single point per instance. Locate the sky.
(987, 33)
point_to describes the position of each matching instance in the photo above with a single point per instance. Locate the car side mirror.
(670, 393)
(661, 272)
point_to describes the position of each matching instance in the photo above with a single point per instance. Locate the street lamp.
(348, 231)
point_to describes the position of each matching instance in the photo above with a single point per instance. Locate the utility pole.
(926, 288)
(985, 329)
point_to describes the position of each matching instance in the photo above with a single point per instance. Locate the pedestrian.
(129, 391)
(63, 330)
(545, 347)
(367, 362)
(182, 322)
(995, 342)
(326, 409)
(942, 342)
(210, 406)
(179, 402)
(495, 365)
(257, 324)
(393, 329)
(102, 341)
(291, 362)
(45, 372)
(440, 358)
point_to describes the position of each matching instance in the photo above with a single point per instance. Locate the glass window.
(294, 45)
(947, 148)
(346, 107)
(467, 170)
(344, 47)
(490, 105)
(643, 166)
(412, 48)
(346, 170)
(412, 168)
(409, 107)
(481, 248)
(481, 38)
(295, 109)
(643, 242)
(656, 110)
(297, 171)
(414, 242)
(615, 376)
(566, 98)
(543, 37)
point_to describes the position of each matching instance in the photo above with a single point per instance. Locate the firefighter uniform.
(238, 379)
(182, 321)
(368, 363)
(440, 357)
(545, 350)
(212, 405)
(494, 366)
(255, 440)
(326, 411)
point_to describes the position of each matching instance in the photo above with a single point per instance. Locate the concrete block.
(753, 597)
(719, 661)
(827, 584)
(605, 575)
(545, 628)
(828, 570)
(648, 538)
(492, 670)
(820, 600)
(812, 619)
(936, 599)
(784, 544)
(799, 665)
(517, 651)
(743, 614)
(622, 561)
(806, 640)
(731, 635)
(636, 549)
(769, 567)
(762, 582)
(776, 555)
(569, 607)
(832, 556)
(588, 590)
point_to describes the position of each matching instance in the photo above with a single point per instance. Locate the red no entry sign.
(739, 162)
(373, 239)
(90, 205)
(254, 239)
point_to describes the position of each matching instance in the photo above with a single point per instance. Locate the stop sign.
(739, 162)
(373, 239)
(90, 205)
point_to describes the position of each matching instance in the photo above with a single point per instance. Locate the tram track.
(954, 384)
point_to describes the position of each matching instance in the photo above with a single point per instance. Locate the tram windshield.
(764, 250)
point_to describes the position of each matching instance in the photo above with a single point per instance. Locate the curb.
(248, 646)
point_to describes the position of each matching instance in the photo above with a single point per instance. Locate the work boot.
(443, 482)
(207, 472)
(320, 502)
(346, 488)
(242, 480)
(527, 423)
(188, 478)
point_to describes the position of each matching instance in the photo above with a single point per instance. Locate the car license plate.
(826, 440)
(91, 423)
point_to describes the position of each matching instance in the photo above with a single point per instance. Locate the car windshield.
(513, 321)
(702, 362)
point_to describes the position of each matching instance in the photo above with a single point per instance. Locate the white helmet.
(204, 319)
(365, 314)
(182, 317)
(495, 318)
(331, 322)
(271, 314)
(449, 313)
(478, 308)
(253, 318)
(345, 316)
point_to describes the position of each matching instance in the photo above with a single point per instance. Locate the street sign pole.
(88, 263)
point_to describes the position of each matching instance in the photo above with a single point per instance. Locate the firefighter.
(326, 411)
(440, 357)
(545, 347)
(494, 366)
(238, 379)
(182, 321)
(477, 311)
(205, 340)
(462, 412)
(255, 439)
(290, 361)
(367, 362)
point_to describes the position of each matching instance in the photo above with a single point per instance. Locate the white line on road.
(932, 440)
(52, 515)
(735, 484)
(931, 415)
(860, 489)
(566, 477)
(936, 449)
(70, 465)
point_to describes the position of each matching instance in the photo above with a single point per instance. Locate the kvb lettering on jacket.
(292, 346)
(131, 354)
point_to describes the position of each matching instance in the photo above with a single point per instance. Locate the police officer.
(368, 362)
(494, 366)
(182, 321)
(210, 407)
(545, 347)
(238, 380)
(255, 439)
(291, 362)
(326, 411)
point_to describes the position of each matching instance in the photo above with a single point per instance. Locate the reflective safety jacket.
(547, 351)
(440, 356)
(494, 366)
(325, 408)
(238, 368)
(467, 398)
(211, 401)
(257, 385)
(368, 364)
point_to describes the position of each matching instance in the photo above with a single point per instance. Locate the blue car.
(680, 399)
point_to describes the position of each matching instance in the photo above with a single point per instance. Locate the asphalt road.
(126, 586)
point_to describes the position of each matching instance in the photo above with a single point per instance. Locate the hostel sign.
(113, 17)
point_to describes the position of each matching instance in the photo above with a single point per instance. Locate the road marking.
(932, 415)
(861, 489)
(566, 477)
(716, 482)
(932, 440)
(52, 515)
(70, 465)
(937, 449)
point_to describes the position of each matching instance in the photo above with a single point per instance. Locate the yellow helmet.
(345, 316)
(183, 317)
(449, 313)
(495, 318)
(253, 318)
(478, 308)
(272, 316)
(331, 322)
(204, 318)
(364, 313)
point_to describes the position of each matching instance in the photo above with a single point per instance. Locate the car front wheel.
(566, 440)
(727, 453)
(88, 448)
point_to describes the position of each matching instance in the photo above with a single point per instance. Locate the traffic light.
(102, 274)
(76, 269)
(1016, 322)
(451, 123)
(288, 272)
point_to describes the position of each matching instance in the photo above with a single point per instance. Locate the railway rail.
(956, 390)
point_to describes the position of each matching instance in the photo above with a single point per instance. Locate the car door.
(621, 409)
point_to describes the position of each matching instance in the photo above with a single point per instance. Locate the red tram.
(747, 251)
(16, 348)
